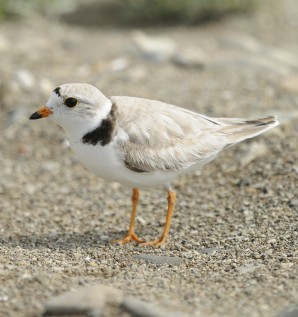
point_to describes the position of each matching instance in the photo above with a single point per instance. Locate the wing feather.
(155, 136)
(158, 136)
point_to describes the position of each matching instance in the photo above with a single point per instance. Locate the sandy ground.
(57, 218)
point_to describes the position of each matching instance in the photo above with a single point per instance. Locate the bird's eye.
(70, 102)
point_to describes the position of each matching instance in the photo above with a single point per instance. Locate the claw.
(160, 242)
(129, 237)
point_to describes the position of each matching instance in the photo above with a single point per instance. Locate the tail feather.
(237, 130)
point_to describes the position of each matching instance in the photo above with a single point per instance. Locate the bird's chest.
(101, 160)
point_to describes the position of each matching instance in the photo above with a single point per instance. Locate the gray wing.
(156, 136)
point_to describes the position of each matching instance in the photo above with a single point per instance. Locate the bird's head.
(74, 104)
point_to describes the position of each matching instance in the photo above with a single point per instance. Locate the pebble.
(3, 298)
(210, 251)
(291, 311)
(93, 264)
(140, 308)
(141, 220)
(137, 73)
(287, 265)
(252, 151)
(191, 58)
(294, 203)
(159, 260)
(84, 300)
(104, 238)
(157, 49)
(25, 79)
(119, 63)
(30, 189)
(243, 182)
(247, 268)
(49, 166)
(272, 241)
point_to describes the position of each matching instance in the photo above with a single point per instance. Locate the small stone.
(210, 251)
(119, 63)
(158, 49)
(141, 220)
(26, 276)
(271, 241)
(84, 300)
(3, 298)
(95, 313)
(140, 308)
(243, 182)
(191, 58)
(25, 79)
(137, 73)
(159, 260)
(247, 268)
(49, 166)
(287, 265)
(104, 238)
(252, 151)
(30, 189)
(291, 311)
(294, 203)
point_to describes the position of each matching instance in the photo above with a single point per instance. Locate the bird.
(142, 143)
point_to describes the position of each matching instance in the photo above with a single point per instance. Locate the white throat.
(78, 127)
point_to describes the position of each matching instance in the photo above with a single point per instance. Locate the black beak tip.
(35, 116)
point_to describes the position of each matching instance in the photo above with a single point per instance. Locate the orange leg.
(162, 240)
(131, 232)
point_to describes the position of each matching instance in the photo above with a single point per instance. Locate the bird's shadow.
(61, 241)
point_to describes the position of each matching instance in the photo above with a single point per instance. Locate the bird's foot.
(131, 236)
(160, 242)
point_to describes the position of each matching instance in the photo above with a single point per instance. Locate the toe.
(129, 237)
(156, 243)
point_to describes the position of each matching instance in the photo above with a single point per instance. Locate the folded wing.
(155, 136)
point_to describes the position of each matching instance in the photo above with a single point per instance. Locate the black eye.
(70, 102)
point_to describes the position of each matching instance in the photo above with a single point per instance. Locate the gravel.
(234, 227)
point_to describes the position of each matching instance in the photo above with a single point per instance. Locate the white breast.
(105, 161)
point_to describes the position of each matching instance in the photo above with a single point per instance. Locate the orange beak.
(41, 113)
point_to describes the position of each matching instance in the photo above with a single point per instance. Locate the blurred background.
(182, 51)
(231, 58)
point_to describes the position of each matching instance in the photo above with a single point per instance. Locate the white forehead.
(83, 92)
(86, 90)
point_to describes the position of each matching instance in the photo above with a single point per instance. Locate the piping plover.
(142, 143)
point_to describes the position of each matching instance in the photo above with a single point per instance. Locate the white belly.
(104, 162)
